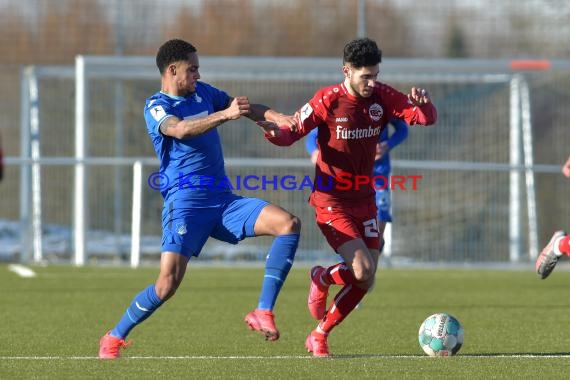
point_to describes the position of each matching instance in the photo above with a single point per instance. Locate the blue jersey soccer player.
(182, 120)
(382, 166)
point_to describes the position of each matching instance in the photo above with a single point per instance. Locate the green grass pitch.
(516, 326)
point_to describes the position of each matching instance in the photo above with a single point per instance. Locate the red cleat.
(264, 322)
(109, 346)
(317, 344)
(548, 258)
(318, 293)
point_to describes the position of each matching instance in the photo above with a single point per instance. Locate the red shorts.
(340, 225)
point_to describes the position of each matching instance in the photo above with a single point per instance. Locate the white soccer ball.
(440, 335)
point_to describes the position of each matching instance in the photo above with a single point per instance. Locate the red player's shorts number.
(370, 228)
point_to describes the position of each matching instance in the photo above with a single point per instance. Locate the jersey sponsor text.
(343, 133)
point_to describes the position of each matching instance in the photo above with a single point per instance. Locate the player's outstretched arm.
(260, 112)
(188, 128)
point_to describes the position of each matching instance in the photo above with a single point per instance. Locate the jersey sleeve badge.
(157, 112)
(306, 111)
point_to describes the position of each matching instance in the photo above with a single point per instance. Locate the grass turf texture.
(51, 325)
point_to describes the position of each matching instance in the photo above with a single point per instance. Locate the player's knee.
(295, 225)
(166, 288)
(165, 292)
(364, 276)
(291, 225)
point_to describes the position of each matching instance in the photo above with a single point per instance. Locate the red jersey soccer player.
(349, 116)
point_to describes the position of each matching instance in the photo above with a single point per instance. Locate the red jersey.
(349, 128)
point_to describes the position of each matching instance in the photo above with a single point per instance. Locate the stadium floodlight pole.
(79, 194)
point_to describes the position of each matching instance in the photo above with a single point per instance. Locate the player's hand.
(269, 128)
(381, 149)
(566, 168)
(419, 96)
(291, 122)
(238, 107)
(286, 121)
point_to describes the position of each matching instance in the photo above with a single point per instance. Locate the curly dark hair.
(173, 51)
(362, 52)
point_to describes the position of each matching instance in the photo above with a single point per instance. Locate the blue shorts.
(186, 230)
(384, 205)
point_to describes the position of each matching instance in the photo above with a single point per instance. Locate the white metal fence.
(472, 205)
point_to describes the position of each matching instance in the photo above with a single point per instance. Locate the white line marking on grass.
(21, 270)
(149, 357)
(278, 357)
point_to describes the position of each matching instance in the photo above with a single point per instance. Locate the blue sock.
(279, 261)
(142, 307)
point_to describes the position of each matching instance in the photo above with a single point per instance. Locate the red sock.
(564, 245)
(338, 274)
(344, 302)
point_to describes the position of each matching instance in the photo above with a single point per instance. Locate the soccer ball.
(440, 335)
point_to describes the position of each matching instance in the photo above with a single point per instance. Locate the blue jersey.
(383, 166)
(193, 168)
